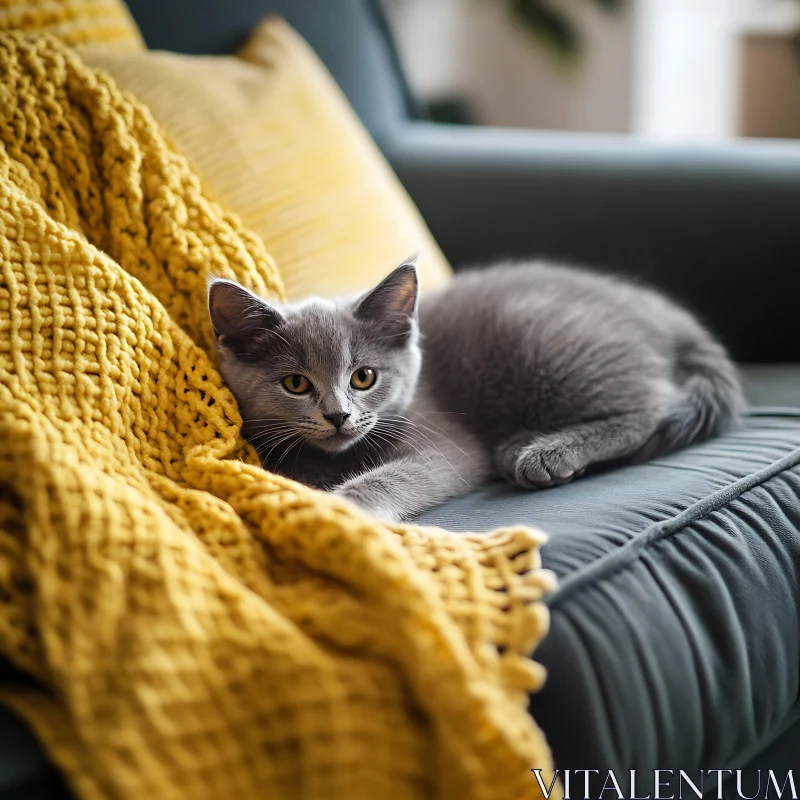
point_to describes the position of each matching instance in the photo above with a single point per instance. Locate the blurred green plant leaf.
(551, 23)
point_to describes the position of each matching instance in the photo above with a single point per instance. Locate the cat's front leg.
(400, 489)
(538, 460)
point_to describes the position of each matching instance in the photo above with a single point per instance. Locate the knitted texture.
(197, 627)
(95, 24)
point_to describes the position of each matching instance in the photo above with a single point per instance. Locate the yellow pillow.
(94, 24)
(277, 143)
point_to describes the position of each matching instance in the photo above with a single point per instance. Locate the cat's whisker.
(431, 411)
(387, 431)
(419, 425)
(298, 440)
(267, 430)
(286, 453)
(375, 448)
(265, 438)
(430, 422)
(416, 446)
(270, 426)
(297, 456)
(383, 438)
(427, 442)
(287, 438)
(403, 430)
(271, 444)
(441, 432)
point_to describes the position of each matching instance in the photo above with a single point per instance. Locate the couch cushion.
(675, 635)
(772, 385)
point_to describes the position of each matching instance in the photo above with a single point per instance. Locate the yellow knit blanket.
(197, 627)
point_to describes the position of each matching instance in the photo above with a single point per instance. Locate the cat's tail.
(710, 401)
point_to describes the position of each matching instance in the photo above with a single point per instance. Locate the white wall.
(472, 48)
(668, 70)
(687, 67)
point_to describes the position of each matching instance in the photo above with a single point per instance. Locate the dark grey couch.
(675, 637)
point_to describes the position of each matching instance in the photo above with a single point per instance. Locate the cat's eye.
(296, 384)
(363, 378)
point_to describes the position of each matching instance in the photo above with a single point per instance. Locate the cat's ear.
(393, 302)
(239, 317)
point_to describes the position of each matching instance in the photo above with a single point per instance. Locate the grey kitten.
(531, 372)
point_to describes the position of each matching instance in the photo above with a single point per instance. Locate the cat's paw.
(365, 500)
(539, 465)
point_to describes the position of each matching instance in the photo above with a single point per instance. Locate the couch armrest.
(718, 227)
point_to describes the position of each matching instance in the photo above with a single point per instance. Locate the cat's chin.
(337, 443)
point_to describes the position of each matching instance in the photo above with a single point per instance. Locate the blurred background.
(664, 70)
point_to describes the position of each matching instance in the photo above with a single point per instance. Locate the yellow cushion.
(277, 143)
(94, 24)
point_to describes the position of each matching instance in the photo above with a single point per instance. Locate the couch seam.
(659, 531)
(774, 411)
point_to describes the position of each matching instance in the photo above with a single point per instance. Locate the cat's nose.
(336, 419)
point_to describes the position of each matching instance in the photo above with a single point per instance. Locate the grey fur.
(532, 372)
